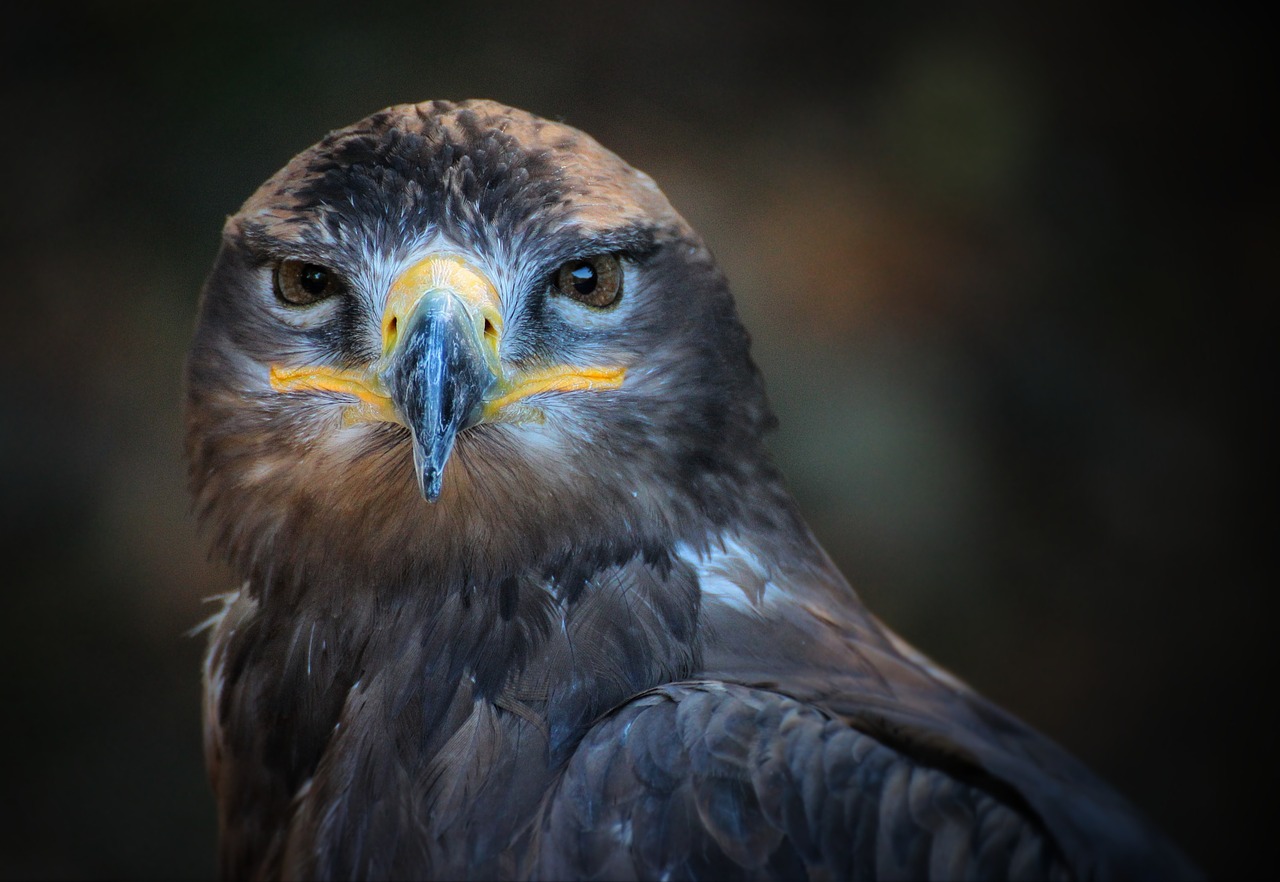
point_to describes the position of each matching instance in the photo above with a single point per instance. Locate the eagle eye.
(595, 281)
(299, 283)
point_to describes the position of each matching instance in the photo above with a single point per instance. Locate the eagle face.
(477, 333)
(471, 413)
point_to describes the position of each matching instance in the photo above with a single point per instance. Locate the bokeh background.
(1004, 269)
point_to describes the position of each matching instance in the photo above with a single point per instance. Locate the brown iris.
(595, 281)
(300, 283)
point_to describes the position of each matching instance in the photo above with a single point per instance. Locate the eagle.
(472, 417)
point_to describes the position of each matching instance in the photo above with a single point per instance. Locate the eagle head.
(471, 336)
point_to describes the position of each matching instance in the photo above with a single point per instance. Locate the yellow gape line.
(561, 379)
(374, 405)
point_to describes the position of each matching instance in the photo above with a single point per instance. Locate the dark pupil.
(313, 279)
(584, 278)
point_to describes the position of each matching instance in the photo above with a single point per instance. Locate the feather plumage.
(611, 648)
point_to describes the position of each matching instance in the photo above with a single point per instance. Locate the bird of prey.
(471, 413)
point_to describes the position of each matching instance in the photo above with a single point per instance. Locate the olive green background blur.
(1004, 272)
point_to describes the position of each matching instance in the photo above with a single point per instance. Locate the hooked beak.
(440, 372)
(437, 378)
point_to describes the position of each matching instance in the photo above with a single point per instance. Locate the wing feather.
(704, 779)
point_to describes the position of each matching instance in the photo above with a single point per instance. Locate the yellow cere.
(440, 271)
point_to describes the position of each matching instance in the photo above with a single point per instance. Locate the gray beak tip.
(430, 482)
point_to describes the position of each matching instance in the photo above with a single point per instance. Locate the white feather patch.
(732, 573)
(224, 624)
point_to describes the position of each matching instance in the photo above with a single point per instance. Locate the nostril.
(490, 332)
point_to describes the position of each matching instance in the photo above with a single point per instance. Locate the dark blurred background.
(1003, 267)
